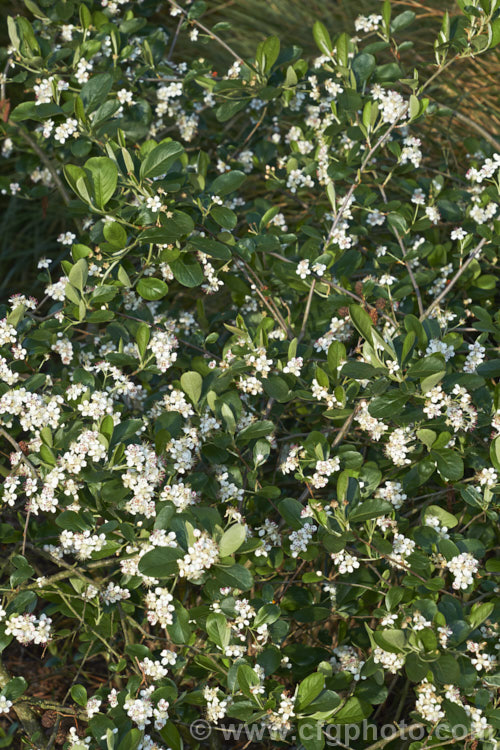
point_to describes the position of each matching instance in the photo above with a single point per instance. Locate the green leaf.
(15, 688)
(446, 669)
(211, 247)
(160, 159)
(427, 437)
(131, 741)
(336, 355)
(152, 289)
(402, 20)
(322, 38)
(495, 33)
(363, 66)
(426, 366)
(94, 92)
(79, 695)
(309, 689)
(256, 430)
(390, 640)
(277, 388)
(227, 182)
(173, 227)
(310, 734)
(449, 464)
(235, 576)
(224, 217)
(480, 613)
(354, 711)
(78, 274)
(192, 384)
(445, 518)
(218, 629)
(343, 49)
(104, 178)
(115, 234)
(142, 336)
(267, 53)
(232, 539)
(187, 272)
(267, 614)
(247, 678)
(370, 509)
(160, 562)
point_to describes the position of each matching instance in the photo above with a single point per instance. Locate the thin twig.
(406, 262)
(174, 40)
(209, 32)
(472, 256)
(399, 733)
(307, 311)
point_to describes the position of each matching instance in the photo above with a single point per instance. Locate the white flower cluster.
(29, 628)
(463, 567)
(114, 593)
(368, 23)
(201, 555)
(300, 539)
(33, 411)
(428, 703)
(141, 710)
(81, 543)
(370, 424)
(440, 347)
(392, 106)
(163, 345)
(340, 330)
(457, 406)
(159, 607)
(475, 357)
(401, 547)
(388, 660)
(143, 476)
(481, 660)
(270, 536)
(181, 495)
(216, 708)
(279, 721)
(487, 477)
(324, 469)
(346, 659)
(393, 492)
(398, 446)
(291, 462)
(345, 562)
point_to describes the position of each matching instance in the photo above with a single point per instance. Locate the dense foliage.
(250, 432)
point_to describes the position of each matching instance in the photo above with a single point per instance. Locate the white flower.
(458, 234)
(303, 269)
(66, 238)
(387, 280)
(5, 705)
(294, 366)
(154, 203)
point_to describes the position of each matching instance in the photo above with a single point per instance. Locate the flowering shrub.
(250, 431)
